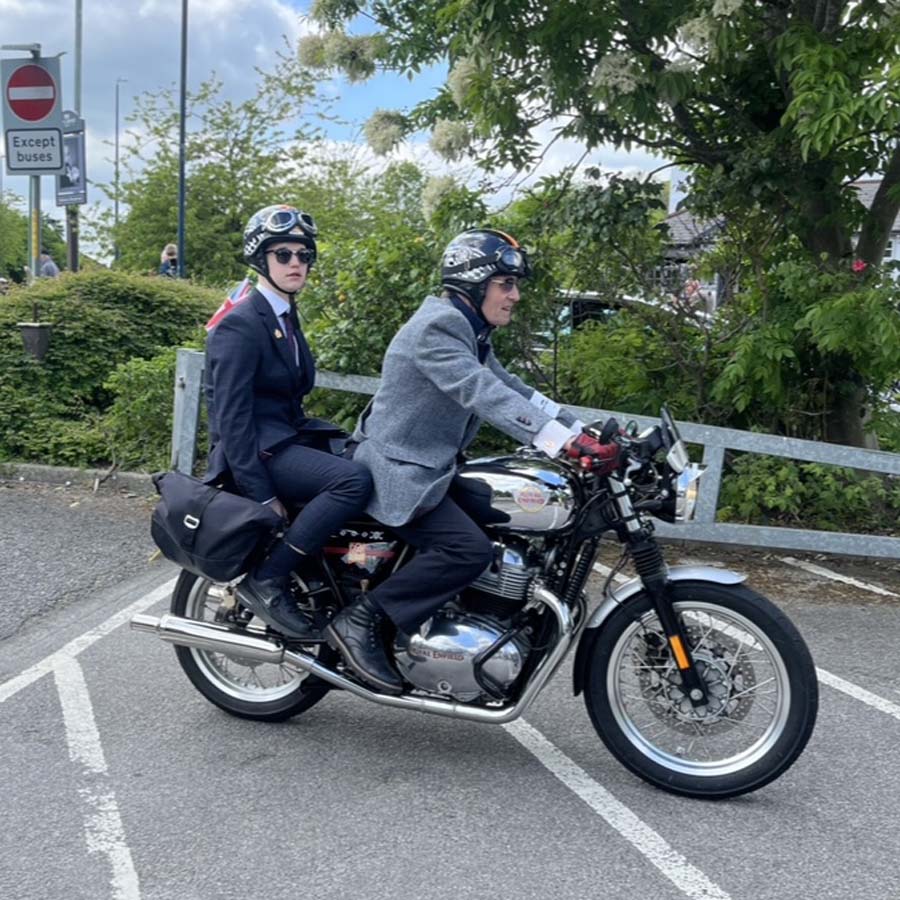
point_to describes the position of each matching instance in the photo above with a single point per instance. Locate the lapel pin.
(278, 334)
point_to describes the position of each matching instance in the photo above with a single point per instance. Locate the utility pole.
(116, 200)
(181, 136)
(72, 210)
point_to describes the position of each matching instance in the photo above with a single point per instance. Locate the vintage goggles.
(284, 220)
(506, 261)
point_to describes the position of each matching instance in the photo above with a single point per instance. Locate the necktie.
(291, 333)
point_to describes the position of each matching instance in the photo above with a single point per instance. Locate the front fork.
(651, 569)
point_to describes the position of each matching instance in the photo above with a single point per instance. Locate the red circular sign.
(31, 93)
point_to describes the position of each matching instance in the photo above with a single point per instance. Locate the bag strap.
(194, 526)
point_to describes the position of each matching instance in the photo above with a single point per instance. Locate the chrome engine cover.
(536, 493)
(439, 658)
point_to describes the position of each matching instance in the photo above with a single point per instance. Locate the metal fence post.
(708, 501)
(186, 416)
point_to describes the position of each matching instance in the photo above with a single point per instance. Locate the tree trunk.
(846, 421)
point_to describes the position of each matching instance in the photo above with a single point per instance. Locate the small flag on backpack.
(240, 293)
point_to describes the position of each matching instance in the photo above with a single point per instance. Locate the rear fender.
(615, 598)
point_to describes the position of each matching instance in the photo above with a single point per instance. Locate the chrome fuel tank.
(529, 494)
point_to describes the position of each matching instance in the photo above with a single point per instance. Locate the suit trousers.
(334, 489)
(452, 552)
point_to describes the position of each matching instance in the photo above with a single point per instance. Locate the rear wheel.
(241, 687)
(759, 677)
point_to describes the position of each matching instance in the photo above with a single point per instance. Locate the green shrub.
(765, 490)
(52, 412)
(137, 425)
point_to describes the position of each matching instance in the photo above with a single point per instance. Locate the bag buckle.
(191, 521)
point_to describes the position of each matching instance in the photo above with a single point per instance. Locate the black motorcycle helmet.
(478, 254)
(276, 224)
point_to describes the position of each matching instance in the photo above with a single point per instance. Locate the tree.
(776, 105)
(240, 156)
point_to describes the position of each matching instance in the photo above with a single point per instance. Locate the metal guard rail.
(715, 440)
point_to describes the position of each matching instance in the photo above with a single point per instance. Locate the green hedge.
(768, 490)
(55, 411)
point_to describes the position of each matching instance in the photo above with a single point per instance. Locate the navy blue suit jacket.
(254, 395)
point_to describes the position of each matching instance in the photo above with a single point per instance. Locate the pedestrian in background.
(168, 261)
(48, 268)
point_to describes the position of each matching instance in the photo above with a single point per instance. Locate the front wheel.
(241, 687)
(760, 680)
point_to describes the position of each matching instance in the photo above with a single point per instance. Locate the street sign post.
(32, 116)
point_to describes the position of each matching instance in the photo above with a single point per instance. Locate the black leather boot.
(356, 633)
(271, 600)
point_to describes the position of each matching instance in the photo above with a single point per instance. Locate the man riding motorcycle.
(440, 379)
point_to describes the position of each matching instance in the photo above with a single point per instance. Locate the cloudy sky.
(139, 40)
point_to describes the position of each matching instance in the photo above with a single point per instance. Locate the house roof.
(687, 231)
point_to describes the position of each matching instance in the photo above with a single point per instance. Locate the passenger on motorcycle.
(262, 445)
(440, 379)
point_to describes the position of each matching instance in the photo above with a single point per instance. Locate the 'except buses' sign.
(32, 116)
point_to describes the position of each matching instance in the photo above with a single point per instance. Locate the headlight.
(687, 491)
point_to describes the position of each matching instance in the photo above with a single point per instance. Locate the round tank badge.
(530, 498)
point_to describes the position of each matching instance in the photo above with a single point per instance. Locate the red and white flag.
(238, 295)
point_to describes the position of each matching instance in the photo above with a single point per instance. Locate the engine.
(461, 651)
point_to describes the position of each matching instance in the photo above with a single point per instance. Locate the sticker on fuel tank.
(530, 498)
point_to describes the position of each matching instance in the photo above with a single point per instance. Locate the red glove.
(603, 458)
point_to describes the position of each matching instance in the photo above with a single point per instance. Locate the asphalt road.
(121, 781)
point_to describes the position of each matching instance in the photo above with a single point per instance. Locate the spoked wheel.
(242, 687)
(760, 681)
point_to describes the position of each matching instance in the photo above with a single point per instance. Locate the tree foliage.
(240, 156)
(776, 109)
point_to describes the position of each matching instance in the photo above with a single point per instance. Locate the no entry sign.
(32, 116)
(31, 93)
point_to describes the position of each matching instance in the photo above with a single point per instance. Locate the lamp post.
(116, 199)
(181, 138)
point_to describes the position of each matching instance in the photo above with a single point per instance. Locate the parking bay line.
(103, 829)
(11, 687)
(833, 681)
(686, 877)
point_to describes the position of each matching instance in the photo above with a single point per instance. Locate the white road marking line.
(858, 693)
(82, 642)
(813, 569)
(686, 877)
(103, 829)
(600, 569)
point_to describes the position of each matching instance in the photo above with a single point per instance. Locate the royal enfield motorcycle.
(693, 681)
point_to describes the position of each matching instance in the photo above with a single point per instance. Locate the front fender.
(615, 598)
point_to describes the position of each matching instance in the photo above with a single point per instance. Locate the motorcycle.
(697, 684)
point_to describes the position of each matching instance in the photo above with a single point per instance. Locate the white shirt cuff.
(551, 437)
(545, 403)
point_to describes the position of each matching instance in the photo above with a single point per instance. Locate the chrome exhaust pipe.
(221, 639)
(210, 636)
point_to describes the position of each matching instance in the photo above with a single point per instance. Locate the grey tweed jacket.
(432, 399)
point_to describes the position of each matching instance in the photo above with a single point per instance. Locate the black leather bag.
(207, 531)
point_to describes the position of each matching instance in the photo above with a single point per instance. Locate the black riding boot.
(355, 632)
(271, 600)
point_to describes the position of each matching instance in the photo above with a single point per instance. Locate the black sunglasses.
(283, 255)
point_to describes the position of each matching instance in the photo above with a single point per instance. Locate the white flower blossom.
(433, 193)
(617, 73)
(450, 140)
(723, 9)
(460, 80)
(384, 130)
(697, 33)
